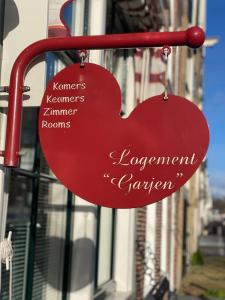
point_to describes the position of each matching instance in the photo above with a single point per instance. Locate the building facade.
(65, 247)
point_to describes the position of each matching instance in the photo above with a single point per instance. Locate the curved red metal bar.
(193, 37)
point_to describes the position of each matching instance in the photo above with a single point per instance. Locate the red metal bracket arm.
(193, 37)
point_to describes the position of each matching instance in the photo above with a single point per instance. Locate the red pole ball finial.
(195, 37)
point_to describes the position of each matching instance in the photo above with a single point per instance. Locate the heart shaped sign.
(113, 161)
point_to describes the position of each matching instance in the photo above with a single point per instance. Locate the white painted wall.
(130, 85)
(78, 18)
(164, 249)
(25, 23)
(84, 232)
(150, 242)
(125, 246)
(97, 24)
(173, 243)
(124, 272)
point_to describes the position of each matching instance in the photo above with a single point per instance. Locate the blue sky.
(214, 95)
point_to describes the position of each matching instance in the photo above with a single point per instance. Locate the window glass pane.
(20, 198)
(18, 221)
(50, 242)
(105, 245)
(51, 60)
(44, 168)
(28, 137)
(29, 142)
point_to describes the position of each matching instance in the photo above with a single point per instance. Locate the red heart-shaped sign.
(113, 161)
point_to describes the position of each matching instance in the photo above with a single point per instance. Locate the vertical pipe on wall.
(3, 203)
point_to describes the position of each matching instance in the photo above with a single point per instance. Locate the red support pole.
(193, 37)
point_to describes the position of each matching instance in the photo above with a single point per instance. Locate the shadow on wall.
(83, 264)
(81, 269)
(49, 256)
(11, 17)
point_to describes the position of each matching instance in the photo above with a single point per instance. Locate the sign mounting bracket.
(193, 37)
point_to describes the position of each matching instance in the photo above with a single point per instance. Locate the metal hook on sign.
(166, 50)
(83, 55)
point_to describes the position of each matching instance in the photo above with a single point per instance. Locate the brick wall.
(158, 236)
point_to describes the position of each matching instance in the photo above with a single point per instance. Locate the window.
(37, 216)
